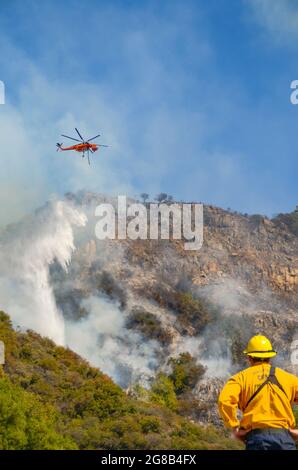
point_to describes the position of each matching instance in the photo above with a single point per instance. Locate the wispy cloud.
(278, 17)
(151, 81)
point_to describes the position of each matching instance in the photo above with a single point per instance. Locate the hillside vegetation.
(289, 220)
(50, 398)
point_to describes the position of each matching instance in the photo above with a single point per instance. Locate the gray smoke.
(48, 240)
(103, 339)
(27, 251)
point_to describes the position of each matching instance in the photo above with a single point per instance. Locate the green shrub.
(149, 325)
(106, 283)
(150, 424)
(87, 410)
(163, 392)
(27, 423)
(192, 314)
(290, 220)
(185, 372)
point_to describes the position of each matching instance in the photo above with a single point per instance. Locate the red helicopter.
(83, 146)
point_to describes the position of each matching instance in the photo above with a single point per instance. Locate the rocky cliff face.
(251, 249)
(243, 281)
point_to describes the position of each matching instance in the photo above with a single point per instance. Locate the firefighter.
(264, 394)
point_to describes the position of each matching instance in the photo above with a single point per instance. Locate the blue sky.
(192, 96)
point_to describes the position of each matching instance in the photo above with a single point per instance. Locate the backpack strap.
(273, 379)
(270, 379)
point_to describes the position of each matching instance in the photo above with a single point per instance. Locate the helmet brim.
(261, 355)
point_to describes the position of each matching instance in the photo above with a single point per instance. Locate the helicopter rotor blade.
(92, 138)
(70, 138)
(79, 135)
(102, 145)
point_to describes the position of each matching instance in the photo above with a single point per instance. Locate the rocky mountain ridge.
(244, 280)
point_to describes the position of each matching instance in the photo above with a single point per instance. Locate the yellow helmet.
(259, 346)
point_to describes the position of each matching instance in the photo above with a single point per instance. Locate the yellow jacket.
(269, 409)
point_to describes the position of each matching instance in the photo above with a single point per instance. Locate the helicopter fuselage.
(81, 147)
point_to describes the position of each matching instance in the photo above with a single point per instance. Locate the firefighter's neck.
(255, 362)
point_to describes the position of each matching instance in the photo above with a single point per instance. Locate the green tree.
(163, 392)
(144, 197)
(26, 423)
(161, 197)
(185, 372)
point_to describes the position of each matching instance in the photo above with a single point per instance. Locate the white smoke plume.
(230, 296)
(26, 251)
(215, 359)
(102, 338)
